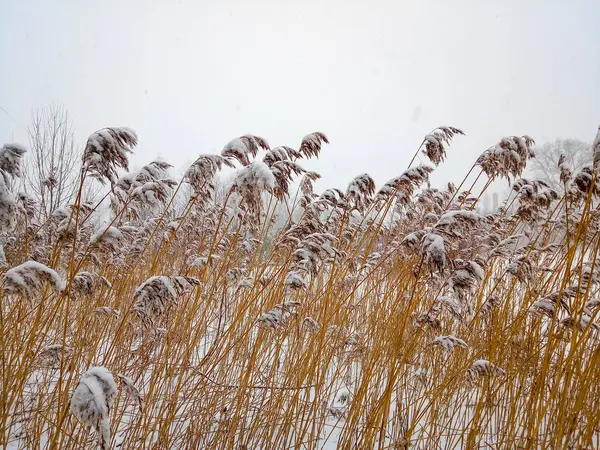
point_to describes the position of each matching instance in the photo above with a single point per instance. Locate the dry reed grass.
(388, 319)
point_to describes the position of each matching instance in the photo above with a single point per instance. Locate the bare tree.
(52, 173)
(545, 164)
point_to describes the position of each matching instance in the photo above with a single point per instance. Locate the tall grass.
(392, 318)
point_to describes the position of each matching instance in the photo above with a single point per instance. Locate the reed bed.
(269, 316)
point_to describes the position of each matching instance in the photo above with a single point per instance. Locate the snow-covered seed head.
(109, 239)
(106, 150)
(434, 143)
(294, 280)
(403, 187)
(566, 172)
(92, 400)
(306, 188)
(360, 191)
(484, 368)
(282, 153)
(434, 251)
(8, 208)
(151, 194)
(243, 147)
(201, 173)
(132, 391)
(310, 325)
(252, 180)
(155, 298)
(28, 279)
(311, 144)
(107, 311)
(278, 316)
(11, 157)
(84, 283)
(596, 149)
(448, 343)
(202, 261)
(283, 171)
(52, 355)
(508, 158)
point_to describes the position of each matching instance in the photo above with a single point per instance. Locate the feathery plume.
(311, 144)
(106, 150)
(240, 148)
(360, 191)
(28, 279)
(92, 400)
(434, 143)
(448, 343)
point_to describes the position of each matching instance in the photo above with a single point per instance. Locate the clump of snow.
(294, 280)
(452, 217)
(29, 278)
(92, 400)
(109, 238)
(11, 157)
(8, 207)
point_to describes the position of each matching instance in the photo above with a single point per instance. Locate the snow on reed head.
(156, 296)
(132, 391)
(240, 148)
(279, 160)
(278, 316)
(106, 150)
(596, 149)
(311, 144)
(283, 171)
(11, 157)
(124, 187)
(434, 143)
(252, 180)
(507, 158)
(281, 153)
(566, 171)
(201, 173)
(306, 188)
(84, 283)
(360, 191)
(8, 208)
(434, 251)
(448, 343)
(92, 400)
(151, 194)
(484, 368)
(28, 279)
(109, 239)
(403, 187)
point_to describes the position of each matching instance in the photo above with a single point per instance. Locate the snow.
(92, 400)
(8, 208)
(449, 342)
(596, 149)
(451, 217)
(30, 275)
(108, 234)
(11, 156)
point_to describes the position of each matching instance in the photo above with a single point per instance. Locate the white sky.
(375, 76)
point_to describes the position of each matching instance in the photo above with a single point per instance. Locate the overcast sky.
(375, 76)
